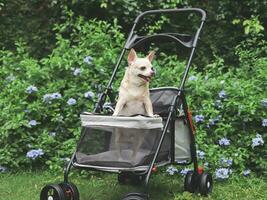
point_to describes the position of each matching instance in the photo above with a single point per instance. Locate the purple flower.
(33, 154)
(199, 118)
(226, 162)
(32, 122)
(71, 101)
(89, 95)
(222, 94)
(184, 171)
(3, 169)
(224, 142)
(192, 78)
(56, 95)
(200, 154)
(264, 102)
(88, 60)
(264, 122)
(49, 97)
(31, 89)
(222, 173)
(77, 71)
(246, 172)
(171, 170)
(257, 141)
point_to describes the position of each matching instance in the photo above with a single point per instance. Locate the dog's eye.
(143, 68)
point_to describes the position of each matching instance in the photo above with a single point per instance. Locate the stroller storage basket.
(119, 142)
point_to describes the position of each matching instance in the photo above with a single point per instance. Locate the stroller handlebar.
(202, 12)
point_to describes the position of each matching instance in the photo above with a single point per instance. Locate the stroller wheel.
(190, 182)
(135, 196)
(52, 192)
(205, 183)
(71, 192)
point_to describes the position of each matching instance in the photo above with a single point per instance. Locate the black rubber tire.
(191, 182)
(205, 183)
(71, 192)
(135, 196)
(53, 192)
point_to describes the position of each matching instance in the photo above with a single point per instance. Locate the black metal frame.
(133, 40)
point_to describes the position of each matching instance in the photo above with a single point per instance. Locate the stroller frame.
(179, 100)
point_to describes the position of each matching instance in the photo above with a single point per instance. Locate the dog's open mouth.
(146, 78)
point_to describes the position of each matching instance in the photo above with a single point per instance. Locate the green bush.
(41, 100)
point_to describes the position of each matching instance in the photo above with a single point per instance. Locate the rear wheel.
(52, 192)
(190, 182)
(205, 183)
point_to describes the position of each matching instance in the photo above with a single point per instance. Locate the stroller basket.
(120, 142)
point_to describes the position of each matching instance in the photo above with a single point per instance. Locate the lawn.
(104, 186)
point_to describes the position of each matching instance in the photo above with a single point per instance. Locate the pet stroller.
(135, 146)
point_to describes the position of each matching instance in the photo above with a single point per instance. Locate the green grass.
(104, 186)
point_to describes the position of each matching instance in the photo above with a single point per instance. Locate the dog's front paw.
(156, 115)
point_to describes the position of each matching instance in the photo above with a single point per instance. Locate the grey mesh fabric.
(162, 98)
(130, 142)
(111, 141)
(182, 141)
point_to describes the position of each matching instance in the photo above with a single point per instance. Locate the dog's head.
(141, 68)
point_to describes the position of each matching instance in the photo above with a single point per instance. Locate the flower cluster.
(257, 141)
(222, 173)
(199, 118)
(31, 89)
(226, 162)
(222, 94)
(3, 169)
(212, 122)
(33, 154)
(71, 101)
(88, 60)
(246, 172)
(264, 122)
(200, 154)
(89, 95)
(77, 71)
(184, 171)
(171, 170)
(32, 122)
(49, 97)
(224, 142)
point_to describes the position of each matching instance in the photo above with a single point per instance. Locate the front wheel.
(52, 192)
(70, 190)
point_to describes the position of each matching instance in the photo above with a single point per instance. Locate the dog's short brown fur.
(134, 89)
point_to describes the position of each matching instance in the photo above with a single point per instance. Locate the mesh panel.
(162, 98)
(120, 147)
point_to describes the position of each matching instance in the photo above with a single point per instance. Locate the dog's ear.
(132, 56)
(151, 55)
